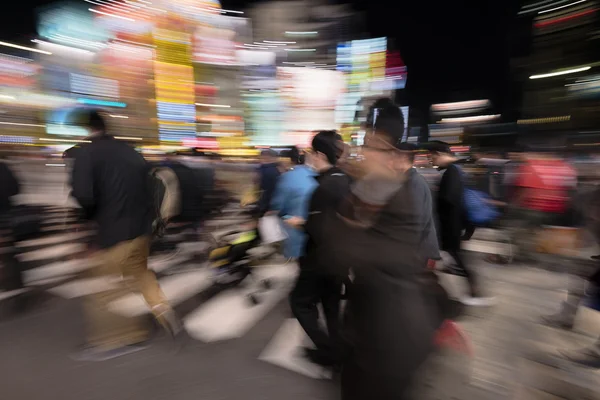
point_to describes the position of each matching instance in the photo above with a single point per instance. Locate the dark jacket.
(110, 181)
(450, 208)
(268, 175)
(391, 314)
(333, 186)
(9, 187)
(194, 185)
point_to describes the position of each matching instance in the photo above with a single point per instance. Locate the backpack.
(475, 202)
(166, 198)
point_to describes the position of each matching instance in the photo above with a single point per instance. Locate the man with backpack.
(110, 181)
(452, 217)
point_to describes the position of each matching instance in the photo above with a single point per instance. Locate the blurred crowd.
(369, 232)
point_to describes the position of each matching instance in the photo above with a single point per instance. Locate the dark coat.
(450, 208)
(333, 186)
(110, 182)
(268, 174)
(392, 317)
(9, 187)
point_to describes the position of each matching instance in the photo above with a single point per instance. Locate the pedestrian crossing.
(57, 263)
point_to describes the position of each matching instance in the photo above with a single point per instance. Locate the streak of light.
(564, 19)
(301, 32)
(298, 50)
(55, 165)
(111, 15)
(563, 6)
(119, 116)
(565, 72)
(213, 105)
(16, 46)
(128, 138)
(476, 118)
(459, 105)
(277, 42)
(231, 12)
(21, 124)
(62, 46)
(529, 10)
(64, 140)
(7, 97)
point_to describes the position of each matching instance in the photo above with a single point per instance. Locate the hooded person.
(384, 232)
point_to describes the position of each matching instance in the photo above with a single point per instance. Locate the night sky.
(454, 50)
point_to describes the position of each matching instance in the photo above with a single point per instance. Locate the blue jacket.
(291, 198)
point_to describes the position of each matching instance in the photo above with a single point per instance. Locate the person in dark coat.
(452, 219)
(384, 232)
(110, 181)
(11, 271)
(315, 284)
(268, 175)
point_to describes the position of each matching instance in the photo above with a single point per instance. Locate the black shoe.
(453, 271)
(587, 357)
(170, 323)
(319, 357)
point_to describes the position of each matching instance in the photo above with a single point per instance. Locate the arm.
(82, 182)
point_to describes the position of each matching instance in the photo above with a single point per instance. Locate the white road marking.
(61, 238)
(230, 314)
(176, 289)
(85, 287)
(12, 293)
(62, 250)
(57, 269)
(482, 246)
(284, 350)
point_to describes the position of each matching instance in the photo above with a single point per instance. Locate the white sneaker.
(479, 301)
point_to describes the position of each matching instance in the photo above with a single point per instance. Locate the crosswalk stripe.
(12, 293)
(85, 287)
(62, 250)
(176, 289)
(284, 350)
(60, 238)
(230, 315)
(57, 269)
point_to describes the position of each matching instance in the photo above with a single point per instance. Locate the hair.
(389, 120)
(437, 146)
(269, 153)
(327, 142)
(409, 150)
(93, 120)
(295, 156)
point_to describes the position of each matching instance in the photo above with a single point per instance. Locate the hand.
(295, 222)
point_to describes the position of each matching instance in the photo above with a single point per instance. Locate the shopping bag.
(270, 229)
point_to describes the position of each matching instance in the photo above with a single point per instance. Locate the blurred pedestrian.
(11, 274)
(315, 285)
(291, 200)
(110, 181)
(268, 174)
(452, 218)
(384, 232)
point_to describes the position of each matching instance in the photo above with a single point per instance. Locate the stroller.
(235, 254)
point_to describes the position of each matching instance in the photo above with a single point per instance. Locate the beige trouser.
(125, 266)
